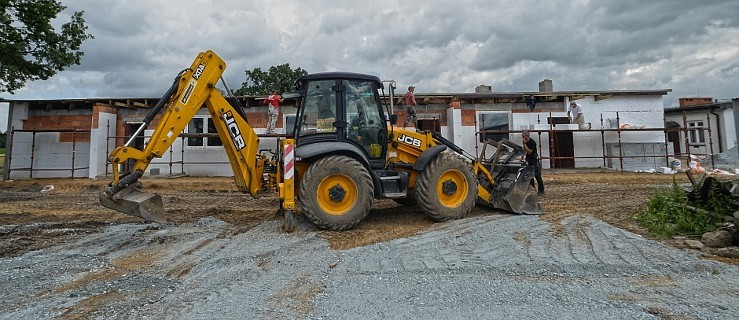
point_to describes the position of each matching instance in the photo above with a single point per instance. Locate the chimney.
(483, 89)
(546, 86)
(691, 101)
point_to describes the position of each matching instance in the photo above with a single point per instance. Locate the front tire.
(336, 193)
(446, 189)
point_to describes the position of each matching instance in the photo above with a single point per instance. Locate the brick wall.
(62, 122)
(96, 109)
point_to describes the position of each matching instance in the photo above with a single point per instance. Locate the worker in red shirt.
(273, 109)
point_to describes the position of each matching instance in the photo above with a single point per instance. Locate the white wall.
(636, 111)
(100, 145)
(728, 126)
(4, 114)
(199, 161)
(51, 158)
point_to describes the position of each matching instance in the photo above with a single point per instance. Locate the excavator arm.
(193, 88)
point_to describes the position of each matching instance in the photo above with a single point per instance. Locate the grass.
(669, 214)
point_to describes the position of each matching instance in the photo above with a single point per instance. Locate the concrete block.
(666, 170)
(565, 126)
(538, 127)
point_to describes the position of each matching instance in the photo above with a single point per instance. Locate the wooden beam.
(484, 101)
(121, 104)
(603, 97)
(576, 97)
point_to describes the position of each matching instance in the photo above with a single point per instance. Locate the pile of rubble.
(724, 240)
(727, 161)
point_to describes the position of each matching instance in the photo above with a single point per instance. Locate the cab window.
(319, 108)
(365, 122)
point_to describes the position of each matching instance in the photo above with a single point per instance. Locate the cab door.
(366, 126)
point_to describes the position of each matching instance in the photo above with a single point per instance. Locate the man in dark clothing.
(532, 159)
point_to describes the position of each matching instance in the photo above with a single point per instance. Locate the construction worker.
(273, 109)
(410, 102)
(576, 116)
(532, 159)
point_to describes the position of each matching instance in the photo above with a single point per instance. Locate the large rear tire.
(336, 193)
(446, 189)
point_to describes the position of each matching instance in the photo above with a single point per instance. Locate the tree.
(31, 48)
(280, 78)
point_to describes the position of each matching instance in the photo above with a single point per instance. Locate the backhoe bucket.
(515, 192)
(134, 202)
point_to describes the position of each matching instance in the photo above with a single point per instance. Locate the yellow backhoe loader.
(343, 152)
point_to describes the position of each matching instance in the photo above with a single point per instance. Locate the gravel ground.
(491, 266)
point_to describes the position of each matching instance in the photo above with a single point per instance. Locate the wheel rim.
(452, 188)
(337, 194)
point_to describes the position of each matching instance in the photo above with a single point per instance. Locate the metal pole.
(620, 146)
(603, 142)
(710, 139)
(107, 143)
(686, 131)
(667, 152)
(552, 155)
(74, 148)
(9, 153)
(182, 160)
(171, 154)
(33, 146)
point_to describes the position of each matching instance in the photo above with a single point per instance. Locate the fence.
(31, 168)
(171, 162)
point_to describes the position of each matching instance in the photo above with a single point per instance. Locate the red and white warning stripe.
(289, 161)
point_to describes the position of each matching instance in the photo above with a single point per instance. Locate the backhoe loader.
(344, 151)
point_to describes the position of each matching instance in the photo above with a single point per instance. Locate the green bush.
(669, 213)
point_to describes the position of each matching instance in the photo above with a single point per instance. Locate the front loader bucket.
(515, 192)
(134, 202)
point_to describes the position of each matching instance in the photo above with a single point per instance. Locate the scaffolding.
(31, 168)
(621, 132)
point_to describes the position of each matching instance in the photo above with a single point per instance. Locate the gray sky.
(689, 46)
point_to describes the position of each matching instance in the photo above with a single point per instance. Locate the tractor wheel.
(446, 189)
(336, 193)
(409, 200)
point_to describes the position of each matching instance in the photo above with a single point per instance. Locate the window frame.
(478, 125)
(206, 141)
(696, 133)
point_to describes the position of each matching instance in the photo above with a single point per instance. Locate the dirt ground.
(31, 219)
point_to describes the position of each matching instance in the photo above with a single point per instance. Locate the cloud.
(688, 46)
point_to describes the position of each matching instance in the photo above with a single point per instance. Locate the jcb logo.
(233, 129)
(409, 140)
(198, 72)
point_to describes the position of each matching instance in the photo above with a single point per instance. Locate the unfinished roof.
(441, 98)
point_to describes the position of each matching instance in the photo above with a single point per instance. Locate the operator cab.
(342, 107)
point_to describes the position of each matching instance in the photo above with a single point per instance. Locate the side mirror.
(393, 118)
